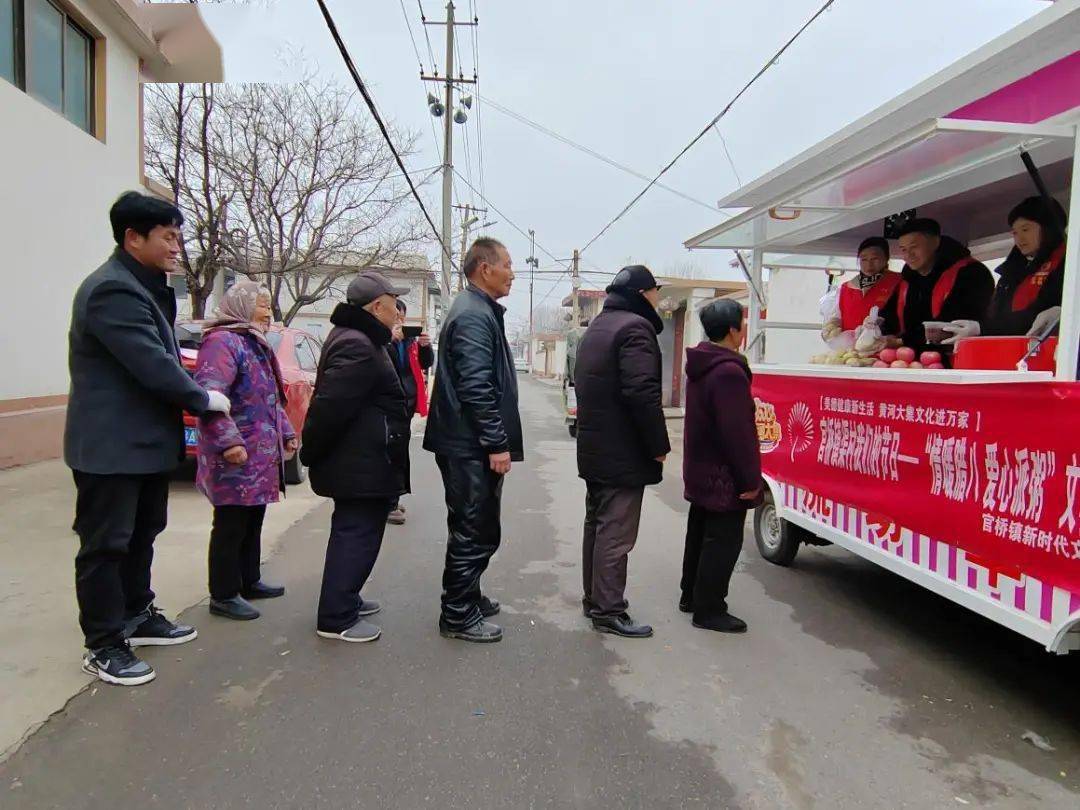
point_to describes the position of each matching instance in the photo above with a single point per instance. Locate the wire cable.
(382, 126)
(430, 50)
(772, 61)
(408, 25)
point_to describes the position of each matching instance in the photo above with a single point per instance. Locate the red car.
(297, 352)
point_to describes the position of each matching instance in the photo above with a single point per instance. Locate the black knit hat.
(878, 242)
(930, 227)
(1036, 210)
(636, 277)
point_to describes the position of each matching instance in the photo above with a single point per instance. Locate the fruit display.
(902, 357)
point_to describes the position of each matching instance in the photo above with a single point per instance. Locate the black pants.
(356, 535)
(235, 549)
(713, 543)
(473, 502)
(612, 517)
(117, 518)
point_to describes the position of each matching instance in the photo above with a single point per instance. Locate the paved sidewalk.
(40, 642)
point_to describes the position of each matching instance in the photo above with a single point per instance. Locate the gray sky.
(632, 80)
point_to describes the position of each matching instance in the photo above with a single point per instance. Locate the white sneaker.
(359, 633)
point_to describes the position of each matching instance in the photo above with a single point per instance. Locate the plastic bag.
(868, 337)
(832, 332)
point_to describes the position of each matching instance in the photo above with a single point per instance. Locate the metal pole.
(448, 150)
(1069, 331)
(464, 245)
(576, 281)
(532, 277)
(757, 353)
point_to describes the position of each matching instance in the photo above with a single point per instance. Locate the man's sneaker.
(263, 590)
(621, 625)
(396, 517)
(360, 632)
(725, 623)
(686, 606)
(489, 607)
(480, 633)
(157, 631)
(369, 607)
(117, 664)
(237, 608)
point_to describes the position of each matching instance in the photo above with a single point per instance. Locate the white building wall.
(58, 184)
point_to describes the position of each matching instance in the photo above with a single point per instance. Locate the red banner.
(992, 469)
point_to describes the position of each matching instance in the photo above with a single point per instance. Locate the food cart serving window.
(958, 469)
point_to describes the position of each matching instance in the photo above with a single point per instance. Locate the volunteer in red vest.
(940, 282)
(873, 287)
(1028, 296)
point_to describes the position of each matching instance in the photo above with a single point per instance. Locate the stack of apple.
(904, 357)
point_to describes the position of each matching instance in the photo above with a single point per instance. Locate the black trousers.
(612, 517)
(473, 503)
(235, 549)
(117, 518)
(356, 535)
(713, 543)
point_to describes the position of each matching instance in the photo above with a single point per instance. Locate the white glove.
(960, 330)
(1043, 321)
(218, 402)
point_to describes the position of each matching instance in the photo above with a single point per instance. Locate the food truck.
(965, 480)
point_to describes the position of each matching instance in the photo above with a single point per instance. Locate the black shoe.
(369, 607)
(480, 633)
(237, 608)
(724, 623)
(157, 631)
(117, 664)
(621, 625)
(489, 607)
(686, 606)
(263, 590)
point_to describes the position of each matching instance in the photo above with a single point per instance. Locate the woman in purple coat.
(721, 465)
(241, 453)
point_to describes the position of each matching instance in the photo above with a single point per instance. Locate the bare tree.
(550, 319)
(314, 191)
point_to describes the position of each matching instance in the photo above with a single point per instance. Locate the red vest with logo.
(1028, 290)
(942, 288)
(855, 305)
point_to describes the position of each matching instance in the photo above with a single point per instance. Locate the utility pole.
(450, 117)
(575, 279)
(532, 262)
(467, 221)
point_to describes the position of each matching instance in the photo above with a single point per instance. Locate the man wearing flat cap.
(622, 440)
(941, 281)
(355, 441)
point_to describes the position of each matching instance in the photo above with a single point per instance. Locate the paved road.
(852, 689)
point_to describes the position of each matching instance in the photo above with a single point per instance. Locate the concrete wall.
(59, 182)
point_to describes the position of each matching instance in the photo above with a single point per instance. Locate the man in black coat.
(474, 430)
(356, 445)
(124, 435)
(411, 357)
(941, 281)
(622, 439)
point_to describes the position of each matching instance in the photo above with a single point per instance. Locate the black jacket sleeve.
(427, 357)
(736, 430)
(472, 350)
(344, 382)
(890, 314)
(641, 389)
(123, 322)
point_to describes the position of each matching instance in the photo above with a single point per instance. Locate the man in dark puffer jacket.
(356, 440)
(622, 439)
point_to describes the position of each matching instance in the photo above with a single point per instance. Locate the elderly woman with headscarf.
(1027, 299)
(241, 454)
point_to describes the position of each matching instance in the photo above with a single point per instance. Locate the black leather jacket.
(474, 405)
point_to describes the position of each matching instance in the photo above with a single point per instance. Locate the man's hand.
(661, 459)
(500, 463)
(397, 333)
(749, 496)
(236, 455)
(1043, 320)
(423, 339)
(291, 446)
(217, 402)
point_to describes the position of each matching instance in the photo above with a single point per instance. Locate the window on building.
(47, 54)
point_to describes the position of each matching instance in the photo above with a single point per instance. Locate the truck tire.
(777, 540)
(295, 471)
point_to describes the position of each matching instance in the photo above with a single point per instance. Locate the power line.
(408, 25)
(430, 50)
(378, 120)
(476, 75)
(731, 162)
(587, 150)
(775, 58)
